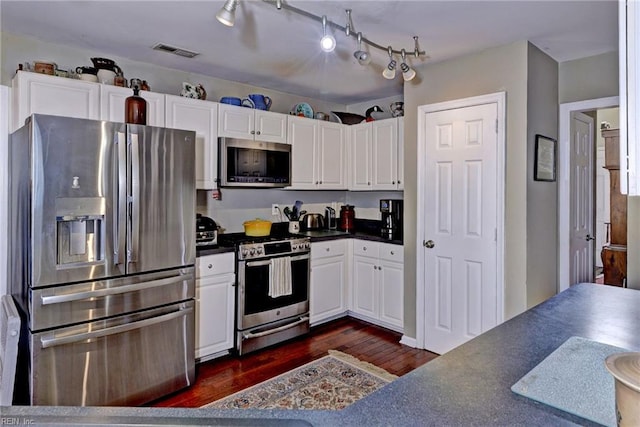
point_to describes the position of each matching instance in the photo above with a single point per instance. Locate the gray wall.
(494, 70)
(542, 197)
(589, 78)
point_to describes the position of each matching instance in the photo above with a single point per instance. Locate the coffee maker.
(391, 221)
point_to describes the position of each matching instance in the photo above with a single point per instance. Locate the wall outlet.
(275, 210)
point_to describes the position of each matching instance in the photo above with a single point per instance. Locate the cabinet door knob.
(399, 182)
(210, 266)
(393, 182)
(327, 249)
(392, 253)
(258, 132)
(364, 248)
(253, 132)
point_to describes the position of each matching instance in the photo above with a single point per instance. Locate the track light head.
(327, 42)
(390, 72)
(227, 15)
(362, 56)
(408, 73)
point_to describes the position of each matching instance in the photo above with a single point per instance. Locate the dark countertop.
(469, 385)
(365, 231)
(213, 250)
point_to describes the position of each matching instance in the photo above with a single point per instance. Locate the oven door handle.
(267, 262)
(249, 335)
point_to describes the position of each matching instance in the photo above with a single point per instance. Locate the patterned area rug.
(332, 382)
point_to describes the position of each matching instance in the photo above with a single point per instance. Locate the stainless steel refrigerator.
(101, 260)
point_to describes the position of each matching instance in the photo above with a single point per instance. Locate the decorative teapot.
(193, 91)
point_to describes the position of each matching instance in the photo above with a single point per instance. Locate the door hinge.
(496, 125)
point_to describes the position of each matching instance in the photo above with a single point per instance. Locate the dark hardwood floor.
(224, 376)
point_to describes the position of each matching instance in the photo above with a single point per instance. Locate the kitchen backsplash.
(240, 205)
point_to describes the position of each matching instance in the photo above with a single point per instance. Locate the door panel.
(98, 363)
(74, 228)
(461, 219)
(162, 189)
(581, 203)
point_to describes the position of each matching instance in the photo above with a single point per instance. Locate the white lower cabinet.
(378, 283)
(215, 305)
(328, 280)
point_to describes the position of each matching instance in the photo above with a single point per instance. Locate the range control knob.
(294, 246)
(259, 250)
(245, 253)
(252, 251)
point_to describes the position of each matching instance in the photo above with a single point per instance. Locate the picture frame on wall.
(545, 159)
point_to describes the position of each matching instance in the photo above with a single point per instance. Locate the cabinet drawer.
(327, 249)
(394, 253)
(366, 248)
(215, 264)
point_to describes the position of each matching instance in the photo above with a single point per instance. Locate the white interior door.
(581, 220)
(460, 225)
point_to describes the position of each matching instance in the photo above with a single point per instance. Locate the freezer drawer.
(123, 361)
(84, 302)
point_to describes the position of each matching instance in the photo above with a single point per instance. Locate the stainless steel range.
(273, 291)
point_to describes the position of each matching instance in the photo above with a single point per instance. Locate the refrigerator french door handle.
(121, 207)
(52, 342)
(134, 210)
(79, 296)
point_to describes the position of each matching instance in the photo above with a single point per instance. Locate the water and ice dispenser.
(80, 231)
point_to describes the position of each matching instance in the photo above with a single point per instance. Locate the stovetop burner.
(279, 244)
(235, 239)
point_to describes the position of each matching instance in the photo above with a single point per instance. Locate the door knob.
(428, 244)
(589, 237)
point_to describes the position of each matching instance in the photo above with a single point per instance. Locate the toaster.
(206, 231)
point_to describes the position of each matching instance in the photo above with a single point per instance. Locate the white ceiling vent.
(175, 50)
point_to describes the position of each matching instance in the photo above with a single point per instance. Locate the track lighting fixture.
(408, 73)
(363, 57)
(349, 27)
(327, 42)
(390, 72)
(227, 15)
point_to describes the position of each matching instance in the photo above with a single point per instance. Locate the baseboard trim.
(409, 342)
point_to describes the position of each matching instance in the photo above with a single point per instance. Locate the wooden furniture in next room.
(614, 254)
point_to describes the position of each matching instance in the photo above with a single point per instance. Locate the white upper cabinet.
(44, 94)
(331, 156)
(384, 137)
(318, 154)
(201, 117)
(113, 99)
(374, 155)
(302, 134)
(248, 123)
(361, 157)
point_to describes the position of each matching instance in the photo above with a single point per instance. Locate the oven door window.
(257, 297)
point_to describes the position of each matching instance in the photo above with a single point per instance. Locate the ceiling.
(279, 50)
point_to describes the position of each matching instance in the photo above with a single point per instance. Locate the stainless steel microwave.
(248, 163)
